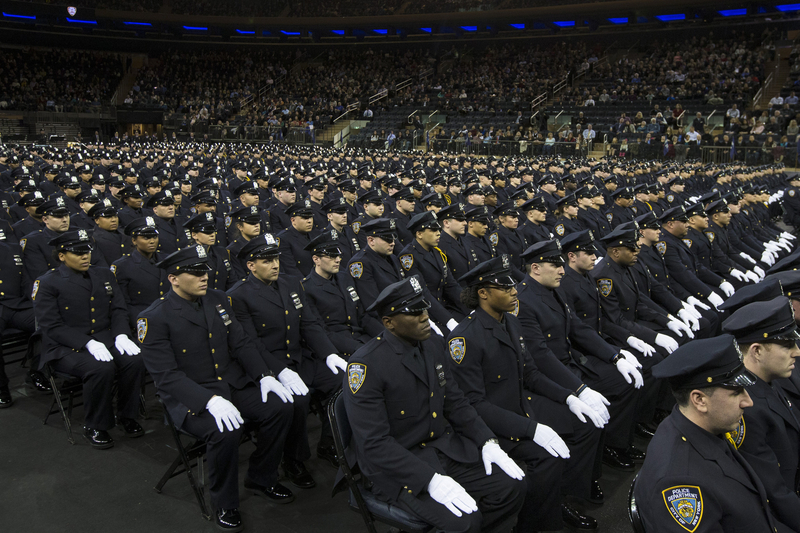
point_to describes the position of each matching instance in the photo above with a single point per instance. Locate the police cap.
(142, 227)
(262, 247)
(103, 209)
(677, 213)
(301, 209)
(453, 211)
(402, 297)
(385, 228)
(250, 215)
(55, 207)
(190, 260)
(326, 243)
(161, 198)
(790, 282)
(423, 221)
(75, 241)
(579, 241)
(648, 221)
(202, 223)
(771, 320)
(549, 251)
(714, 362)
(495, 271)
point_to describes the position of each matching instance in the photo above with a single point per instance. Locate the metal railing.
(262, 91)
(380, 95)
(750, 155)
(403, 84)
(767, 83)
(349, 109)
(426, 73)
(276, 134)
(539, 100)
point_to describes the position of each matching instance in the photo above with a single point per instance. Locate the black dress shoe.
(634, 454)
(5, 398)
(228, 520)
(298, 475)
(644, 431)
(575, 519)
(36, 380)
(596, 493)
(131, 427)
(277, 493)
(328, 453)
(616, 458)
(98, 438)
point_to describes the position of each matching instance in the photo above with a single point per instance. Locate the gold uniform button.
(431, 433)
(92, 298)
(209, 335)
(93, 321)
(434, 414)
(212, 350)
(684, 439)
(402, 412)
(431, 394)
(216, 366)
(219, 378)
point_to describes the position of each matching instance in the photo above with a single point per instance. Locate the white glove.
(715, 299)
(747, 257)
(292, 381)
(126, 346)
(580, 408)
(631, 358)
(691, 320)
(550, 441)
(449, 493)
(727, 288)
(784, 240)
(752, 276)
(691, 310)
(435, 328)
(666, 342)
(738, 274)
(99, 351)
(452, 324)
(767, 258)
(493, 453)
(639, 344)
(694, 302)
(597, 261)
(630, 373)
(225, 412)
(270, 384)
(335, 362)
(680, 328)
(783, 245)
(596, 401)
(787, 235)
(760, 271)
(771, 246)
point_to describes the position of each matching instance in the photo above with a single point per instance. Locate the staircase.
(127, 81)
(328, 134)
(780, 72)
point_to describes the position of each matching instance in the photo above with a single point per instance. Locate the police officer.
(423, 257)
(171, 235)
(402, 213)
(248, 222)
(372, 204)
(132, 197)
(332, 294)
(510, 240)
(769, 433)
(693, 478)
(375, 267)
(140, 280)
(567, 219)
(534, 229)
(33, 221)
(459, 258)
(111, 243)
(489, 343)
(426, 462)
(620, 211)
(476, 239)
(81, 313)
(336, 212)
(295, 259)
(286, 195)
(202, 230)
(273, 311)
(211, 379)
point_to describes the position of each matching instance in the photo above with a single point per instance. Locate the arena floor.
(49, 485)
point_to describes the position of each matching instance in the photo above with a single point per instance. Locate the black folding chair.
(63, 385)
(633, 510)
(361, 499)
(188, 457)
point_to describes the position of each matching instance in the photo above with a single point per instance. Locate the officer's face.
(548, 274)
(189, 286)
(205, 208)
(499, 299)
(249, 199)
(429, 237)
(627, 256)
(164, 211)
(699, 222)
(651, 235)
(328, 264)
(534, 215)
(107, 223)
(338, 220)
(206, 239)
(511, 222)
(146, 245)
(303, 224)
(571, 211)
(476, 199)
(777, 360)
(723, 409)
(410, 328)
(374, 210)
(381, 246)
(457, 227)
(678, 228)
(134, 202)
(317, 194)
(77, 262)
(266, 270)
(477, 228)
(599, 200)
(286, 197)
(72, 192)
(582, 261)
(57, 224)
(249, 230)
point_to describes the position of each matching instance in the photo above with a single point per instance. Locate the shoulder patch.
(356, 227)
(792, 192)
(687, 242)
(356, 372)
(560, 229)
(736, 437)
(605, 285)
(685, 504)
(670, 198)
(228, 222)
(407, 260)
(609, 217)
(458, 349)
(661, 246)
(710, 235)
(494, 239)
(35, 289)
(22, 243)
(141, 329)
(357, 269)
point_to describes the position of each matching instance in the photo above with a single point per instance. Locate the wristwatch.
(617, 358)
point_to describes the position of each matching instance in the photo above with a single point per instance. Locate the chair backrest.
(633, 509)
(340, 423)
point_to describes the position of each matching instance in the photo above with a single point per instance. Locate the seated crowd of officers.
(500, 329)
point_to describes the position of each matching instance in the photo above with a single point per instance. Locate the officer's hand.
(270, 384)
(680, 328)
(640, 345)
(787, 235)
(632, 358)
(99, 351)
(666, 342)
(224, 412)
(747, 257)
(493, 453)
(449, 493)
(452, 324)
(752, 276)
(582, 410)
(689, 319)
(548, 439)
(630, 373)
(292, 381)
(738, 274)
(768, 258)
(759, 271)
(596, 401)
(335, 362)
(715, 299)
(126, 346)
(694, 302)
(727, 288)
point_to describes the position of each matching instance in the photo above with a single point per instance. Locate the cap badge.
(60, 202)
(415, 285)
(82, 235)
(201, 252)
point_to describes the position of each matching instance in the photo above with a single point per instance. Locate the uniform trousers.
(23, 320)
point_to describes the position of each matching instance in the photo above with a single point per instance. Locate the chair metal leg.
(197, 488)
(64, 415)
